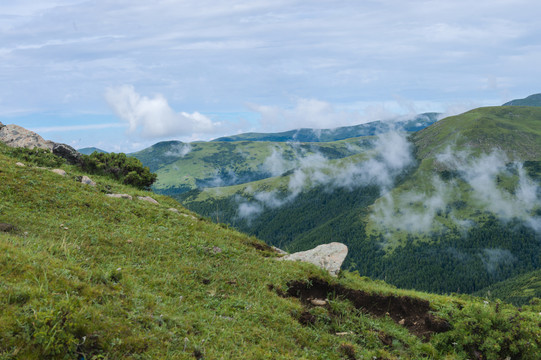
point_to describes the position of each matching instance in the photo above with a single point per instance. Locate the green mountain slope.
(532, 100)
(182, 167)
(465, 215)
(327, 135)
(514, 130)
(518, 290)
(87, 276)
(90, 150)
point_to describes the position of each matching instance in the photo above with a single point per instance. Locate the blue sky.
(122, 75)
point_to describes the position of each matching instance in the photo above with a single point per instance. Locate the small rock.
(20, 164)
(88, 181)
(173, 210)
(279, 251)
(344, 333)
(216, 250)
(120, 196)
(327, 256)
(59, 172)
(318, 302)
(7, 227)
(402, 322)
(147, 198)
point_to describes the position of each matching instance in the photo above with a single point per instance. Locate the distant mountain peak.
(532, 100)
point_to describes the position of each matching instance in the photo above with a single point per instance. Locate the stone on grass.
(59, 172)
(7, 227)
(279, 251)
(147, 198)
(120, 196)
(318, 302)
(20, 164)
(173, 210)
(88, 181)
(327, 256)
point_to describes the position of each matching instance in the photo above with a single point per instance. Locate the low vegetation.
(85, 276)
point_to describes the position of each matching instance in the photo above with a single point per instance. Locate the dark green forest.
(446, 262)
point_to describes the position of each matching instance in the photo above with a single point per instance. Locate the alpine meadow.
(270, 180)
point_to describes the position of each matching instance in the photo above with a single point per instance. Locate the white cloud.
(153, 117)
(307, 113)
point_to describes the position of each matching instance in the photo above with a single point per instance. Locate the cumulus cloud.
(307, 113)
(152, 117)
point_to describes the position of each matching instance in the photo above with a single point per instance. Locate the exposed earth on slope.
(413, 313)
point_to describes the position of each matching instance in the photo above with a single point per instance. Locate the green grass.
(88, 276)
(515, 130)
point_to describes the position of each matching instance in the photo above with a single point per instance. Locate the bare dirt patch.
(412, 313)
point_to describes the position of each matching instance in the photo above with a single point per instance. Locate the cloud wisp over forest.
(489, 182)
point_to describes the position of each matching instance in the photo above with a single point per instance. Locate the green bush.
(489, 331)
(119, 166)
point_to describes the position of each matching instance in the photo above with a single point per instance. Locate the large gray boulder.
(16, 136)
(327, 256)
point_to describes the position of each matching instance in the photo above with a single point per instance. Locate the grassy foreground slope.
(85, 276)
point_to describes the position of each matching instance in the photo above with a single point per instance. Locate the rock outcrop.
(16, 136)
(327, 256)
(67, 152)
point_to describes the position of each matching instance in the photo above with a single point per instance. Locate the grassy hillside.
(532, 100)
(327, 135)
(87, 276)
(514, 130)
(518, 290)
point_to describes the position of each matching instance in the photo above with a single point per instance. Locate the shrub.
(493, 333)
(119, 166)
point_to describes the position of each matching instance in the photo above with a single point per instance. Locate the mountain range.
(101, 270)
(454, 207)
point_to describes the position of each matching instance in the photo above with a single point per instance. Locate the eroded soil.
(412, 313)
